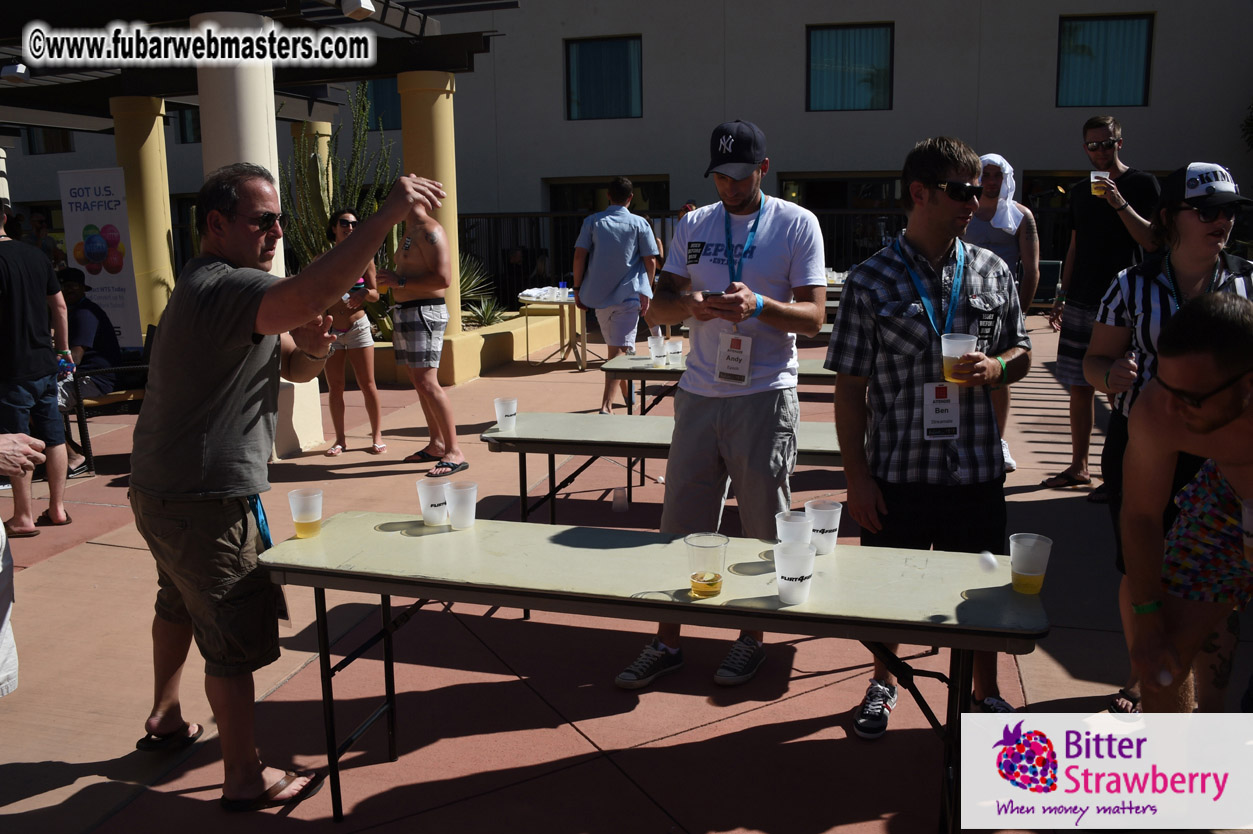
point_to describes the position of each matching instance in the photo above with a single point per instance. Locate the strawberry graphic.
(1027, 760)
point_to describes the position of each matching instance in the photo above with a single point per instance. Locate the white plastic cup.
(462, 499)
(657, 350)
(793, 571)
(306, 511)
(674, 352)
(506, 412)
(954, 346)
(1028, 560)
(1098, 182)
(793, 526)
(433, 496)
(825, 516)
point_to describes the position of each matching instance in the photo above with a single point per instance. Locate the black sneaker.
(993, 703)
(652, 663)
(871, 718)
(741, 663)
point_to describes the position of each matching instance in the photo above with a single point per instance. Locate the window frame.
(1062, 20)
(890, 25)
(566, 44)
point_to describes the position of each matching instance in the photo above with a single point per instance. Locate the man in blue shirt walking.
(615, 261)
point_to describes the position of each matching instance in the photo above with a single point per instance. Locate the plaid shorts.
(1072, 343)
(418, 338)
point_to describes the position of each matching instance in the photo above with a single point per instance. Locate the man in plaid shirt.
(922, 455)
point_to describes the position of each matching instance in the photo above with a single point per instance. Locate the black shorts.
(963, 519)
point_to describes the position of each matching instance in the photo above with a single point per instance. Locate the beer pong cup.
(1028, 559)
(825, 517)
(674, 352)
(506, 412)
(1097, 182)
(306, 511)
(793, 526)
(433, 496)
(954, 346)
(793, 571)
(706, 562)
(657, 350)
(462, 498)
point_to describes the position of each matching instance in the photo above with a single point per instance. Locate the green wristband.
(1147, 607)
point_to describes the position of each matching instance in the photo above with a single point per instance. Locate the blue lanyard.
(737, 269)
(954, 294)
(263, 526)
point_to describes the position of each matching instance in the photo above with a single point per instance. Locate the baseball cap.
(1202, 184)
(72, 275)
(736, 149)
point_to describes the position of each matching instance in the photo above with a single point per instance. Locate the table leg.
(581, 319)
(328, 703)
(552, 489)
(523, 498)
(961, 678)
(389, 675)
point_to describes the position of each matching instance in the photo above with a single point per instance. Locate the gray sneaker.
(741, 663)
(871, 718)
(652, 663)
(993, 703)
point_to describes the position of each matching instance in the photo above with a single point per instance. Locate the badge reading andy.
(734, 359)
(941, 411)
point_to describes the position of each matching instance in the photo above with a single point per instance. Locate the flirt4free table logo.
(1050, 770)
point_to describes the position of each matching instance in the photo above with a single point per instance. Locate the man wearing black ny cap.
(747, 274)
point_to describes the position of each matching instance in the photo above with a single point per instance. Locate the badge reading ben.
(941, 411)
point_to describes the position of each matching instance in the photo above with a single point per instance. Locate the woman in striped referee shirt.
(1190, 226)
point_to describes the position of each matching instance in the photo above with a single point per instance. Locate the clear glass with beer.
(706, 562)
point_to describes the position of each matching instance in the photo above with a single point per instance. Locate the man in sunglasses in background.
(1109, 219)
(1200, 402)
(922, 455)
(201, 445)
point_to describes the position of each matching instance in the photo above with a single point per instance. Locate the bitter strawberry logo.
(1027, 760)
(941, 392)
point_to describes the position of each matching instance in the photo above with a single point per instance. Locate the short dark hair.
(1098, 122)
(1164, 224)
(932, 160)
(335, 215)
(220, 191)
(620, 189)
(1219, 324)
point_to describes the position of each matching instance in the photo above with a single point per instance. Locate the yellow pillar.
(139, 139)
(428, 146)
(318, 137)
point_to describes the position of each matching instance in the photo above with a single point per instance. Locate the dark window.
(48, 140)
(850, 67)
(1104, 61)
(187, 123)
(384, 104)
(604, 78)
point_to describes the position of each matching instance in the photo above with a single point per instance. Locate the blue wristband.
(761, 302)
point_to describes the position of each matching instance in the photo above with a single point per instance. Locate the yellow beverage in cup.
(308, 529)
(1027, 583)
(706, 584)
(1097, 183)
(949, 363)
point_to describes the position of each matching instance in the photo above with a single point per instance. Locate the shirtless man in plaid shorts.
(423, 274)
(1200, 403)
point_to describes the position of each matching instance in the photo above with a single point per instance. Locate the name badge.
(941, 411)
(734, 365)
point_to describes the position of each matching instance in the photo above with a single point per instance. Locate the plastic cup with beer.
(1098, 181)
(954, 346)
(1028, 559)
(306, 511)
(793, 571)
(657, 350)
(462, 498)
(433, 496)
(793, 526)
(706, 562)
(825, 516)
(506, 412)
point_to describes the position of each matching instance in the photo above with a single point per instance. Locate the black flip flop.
(267, 800)
(19, 534)
(45, 520)
(421, 456)
(448, 467)
(177, 740)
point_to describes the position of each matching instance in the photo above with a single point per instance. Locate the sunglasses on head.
(962, 192)
(345, 223)
(1209, 214)
(1103, 144)
(266, 220)
(1196, 400)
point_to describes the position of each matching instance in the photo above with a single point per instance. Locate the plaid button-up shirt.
(883, 333)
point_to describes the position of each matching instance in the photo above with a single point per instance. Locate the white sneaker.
(1010, 464)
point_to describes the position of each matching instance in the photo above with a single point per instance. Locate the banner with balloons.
(97, 241)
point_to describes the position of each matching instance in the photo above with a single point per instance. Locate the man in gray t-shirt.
(201, 446)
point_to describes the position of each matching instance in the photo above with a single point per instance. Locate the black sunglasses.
(1209, 214)
(1196, 400)
(1105, 144)
(345, 223)
(962, 192)
(266, 220)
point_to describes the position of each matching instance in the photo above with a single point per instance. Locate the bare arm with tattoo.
(1029, 252)
(423, 262)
